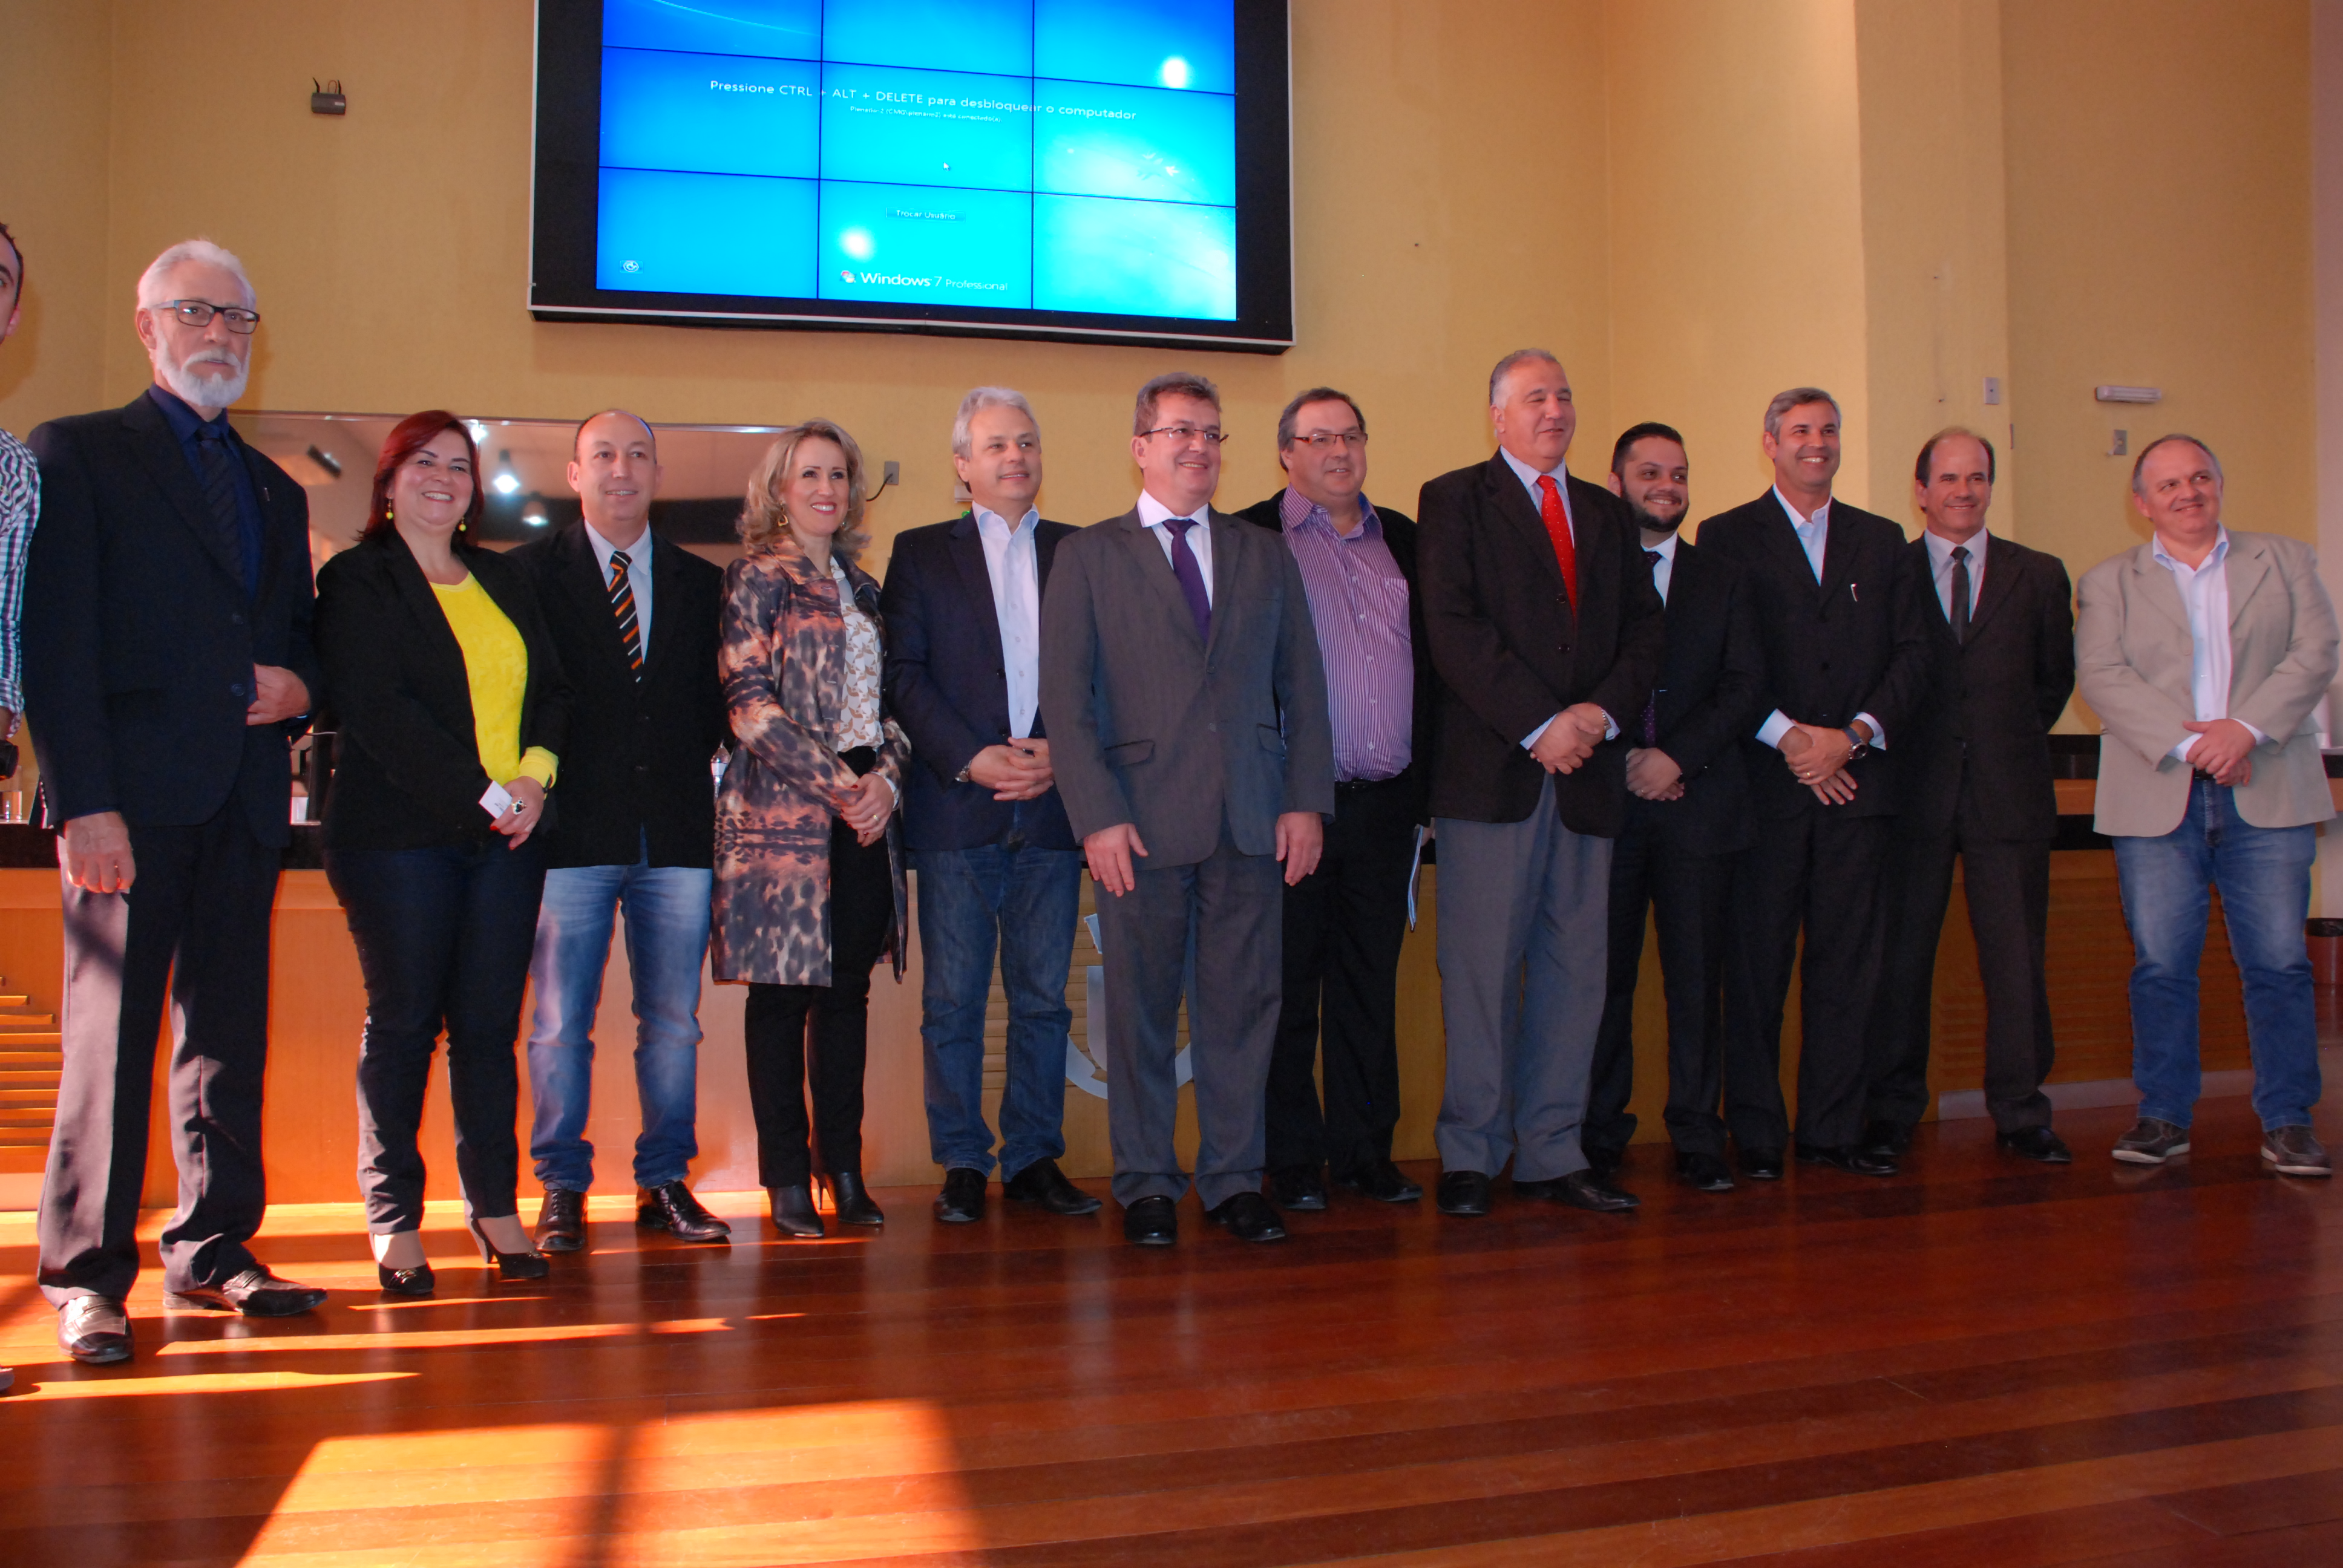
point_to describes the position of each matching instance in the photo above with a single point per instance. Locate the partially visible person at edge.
(20, 508)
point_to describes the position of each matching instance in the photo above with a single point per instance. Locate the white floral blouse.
(858, 722)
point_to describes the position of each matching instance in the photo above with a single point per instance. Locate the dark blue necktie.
(1190, 576)
(219, 498)
(1652, 703)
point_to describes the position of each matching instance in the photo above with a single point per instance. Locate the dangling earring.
(388, 512)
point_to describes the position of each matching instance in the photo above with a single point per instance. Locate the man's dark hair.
(1951, 432)
(20, 260)
(1173, 384)
(1303, 400)
(1635, 433)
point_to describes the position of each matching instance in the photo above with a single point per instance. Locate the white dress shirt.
(639, 575)
(2205, 595)
(1813, 537)
(1151, 515)
(1664, 570)
(1013, 562)
(1940, 568)
(1560, 474)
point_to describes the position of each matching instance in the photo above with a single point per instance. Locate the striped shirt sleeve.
(20, 507)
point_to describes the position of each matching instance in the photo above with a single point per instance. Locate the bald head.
(616, 472)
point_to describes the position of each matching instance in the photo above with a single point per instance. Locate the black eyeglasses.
(199, 313)
(1183, 434)
(1327, 440)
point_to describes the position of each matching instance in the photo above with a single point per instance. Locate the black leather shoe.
(1762, 1164)
(961, 1203)
(1384, 1181)
(670, 1207)
(1045, 1186)
(1886, 1140)
(511, 1266)
(1605, 1163)
(1853, 1160)
(1151, 1222)
(255, 1294)
(793, 1212)
(2037, 1143)
(851, 1200)
(418, 1280)
(93, 1331)
(562, 1222)
(1248, 1217)
(1464, 1192)
(1297, 1188)
(1703, 1174)
(1580, 1189)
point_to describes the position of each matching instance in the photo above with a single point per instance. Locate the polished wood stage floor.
(1983, 1363)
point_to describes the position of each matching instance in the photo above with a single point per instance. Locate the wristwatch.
(961, 776)
(1858, 745)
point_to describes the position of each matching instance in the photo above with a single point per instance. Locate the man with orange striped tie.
(634, 617)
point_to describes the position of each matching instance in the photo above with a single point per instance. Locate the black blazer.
(637, 763)
(1989, 708)
(139, 639)
(407, 771)
(1512, 651)
(1854, 643)
(949, 689)
(1399, 537)
(1709, 702)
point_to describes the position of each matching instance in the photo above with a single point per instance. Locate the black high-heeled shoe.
(417, 1280)
(529, 1266)
(793, 1212)
(852, 1199)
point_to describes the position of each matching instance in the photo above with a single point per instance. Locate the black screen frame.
(563, 199)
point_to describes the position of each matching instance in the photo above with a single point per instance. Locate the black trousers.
(1819, 870)
(1687, 894)
(1344, 924)
(444, 937)
(2008, 889)
(861, 912)
(196, 921)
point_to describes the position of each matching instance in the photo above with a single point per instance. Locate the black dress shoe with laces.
(1580, 1189)
(793, 1212)
(254, 1294)
(1462, 1193)
(562, 1222)
(961, 1203)
(1248, 1217)
(1855, 1162)
(670, 1207)
(2036, 1144)
(1297, 1188)
(93, 1331)
(1045, 1186)
(1151, 1222)
(1886, 1140)
(1703, 1174)
(852, 1201)
(1384, 1181)
(1762, 1164)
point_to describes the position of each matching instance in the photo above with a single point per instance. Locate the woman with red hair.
(451, 709)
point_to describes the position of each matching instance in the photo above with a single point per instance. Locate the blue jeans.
(2264, 875)
(1027, 898)
(667, 943)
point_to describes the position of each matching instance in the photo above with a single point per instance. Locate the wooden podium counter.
(318, 1008)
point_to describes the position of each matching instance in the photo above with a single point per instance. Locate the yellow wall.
(56, 71)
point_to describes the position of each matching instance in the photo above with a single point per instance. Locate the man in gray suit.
(1187, 717)
(2203, 653)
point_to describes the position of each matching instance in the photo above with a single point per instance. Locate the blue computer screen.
(1028, 155)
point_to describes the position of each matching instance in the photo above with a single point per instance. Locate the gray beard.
(202, 391)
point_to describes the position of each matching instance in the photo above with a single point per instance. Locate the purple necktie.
(1190, 576)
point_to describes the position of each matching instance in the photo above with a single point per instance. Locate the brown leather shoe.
(2294, 1151)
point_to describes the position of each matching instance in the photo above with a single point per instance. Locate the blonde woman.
(809, 871)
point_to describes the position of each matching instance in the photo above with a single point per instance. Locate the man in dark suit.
(168, 664)
(1180, 677)
(999, 868)
(1687, 816)
(633, 617)
(1344, 922)
(1973, 773)
(1547, 635)
(1847, 661)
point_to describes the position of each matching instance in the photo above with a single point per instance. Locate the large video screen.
(1092, 168)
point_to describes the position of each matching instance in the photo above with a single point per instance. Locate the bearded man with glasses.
(167, 665)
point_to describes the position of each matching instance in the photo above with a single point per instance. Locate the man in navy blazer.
(982, 816)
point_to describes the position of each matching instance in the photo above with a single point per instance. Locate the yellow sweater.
(495, 666)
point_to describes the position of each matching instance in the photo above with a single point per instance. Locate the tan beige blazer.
(2133, 666)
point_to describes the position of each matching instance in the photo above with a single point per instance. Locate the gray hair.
(1518, 356)
(1173, 384)
(151, 281)
(1798, 397)
(975, 403)
(2139, 462)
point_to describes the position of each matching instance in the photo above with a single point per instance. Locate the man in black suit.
(1345, 922)
(999, 868)
(1847, 661)
(167, 665)
(633, 617)
(1547, 636)
(1687, 816)
(1974, 778)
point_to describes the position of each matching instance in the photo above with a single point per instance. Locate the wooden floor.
(1983, 1362)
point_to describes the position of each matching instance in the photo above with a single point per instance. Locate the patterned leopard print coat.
(783, 664)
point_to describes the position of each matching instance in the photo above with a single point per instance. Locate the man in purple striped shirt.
(1344, 922)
